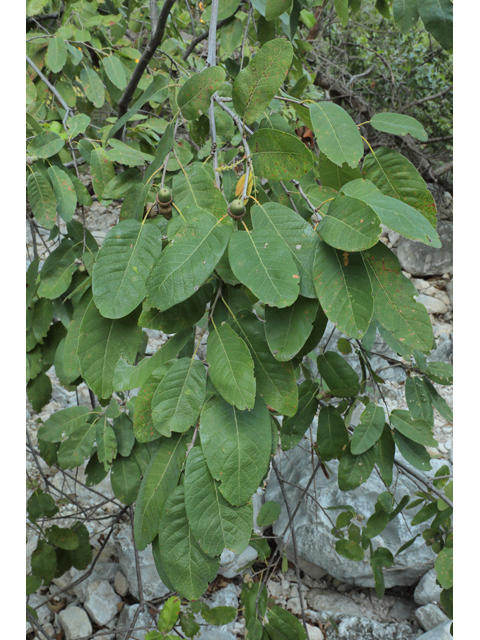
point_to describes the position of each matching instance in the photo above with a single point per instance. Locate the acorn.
(164, 202)
(236, 209)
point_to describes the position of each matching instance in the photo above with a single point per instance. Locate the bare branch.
(426, 99)
(51, 87)
(153, 15)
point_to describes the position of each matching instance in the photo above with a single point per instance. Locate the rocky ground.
(338, 594)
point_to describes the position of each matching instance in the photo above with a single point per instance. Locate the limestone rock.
(120, 584)
(319, 600)
(226, 597)
(402, 609)
(75, 623)
(231, 564)
(442, 632)
(422, 260)
(125, 622)
(362, 628)
(432, 305)
(430, 616)
(153, 587)
(427, 590)
(101, 602)
(102, 571)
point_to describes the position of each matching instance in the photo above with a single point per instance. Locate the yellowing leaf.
(240, 185)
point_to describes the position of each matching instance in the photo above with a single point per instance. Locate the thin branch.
(443, 169)
(46, 16)
(294, 542)
(147, 55)
(423, 479)
(426, 99)
(51, 87)
(245, 33)
(204, 36)
(37, 625)
(212, 62)
(192, 21)
(154, 15)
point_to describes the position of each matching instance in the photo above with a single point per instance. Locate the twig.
(147, 55)
(245, 33)
(36, 624)
(46, 16)
(443, 169)
(294, 542)
(34, 454)
(192, 21)
(424, 480)
(359, 75)
(51, 87)
(426, 99)
(167, 157)
(212, 62)
(204, 36)
(34, 238)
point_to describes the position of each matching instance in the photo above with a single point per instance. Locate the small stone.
(101, 209)
(430, 616)
(125, 622)
(402, 609)
(294, 606)
(274, 588)
(232, 564)
(345, 588)
(75, 623)
(432, 305)
(427, 590)
(336, 583)
(285, 586)
(120, 584)
(420, 285)
(29, 415)
(314, 633)
(442, 632)
(101, 602)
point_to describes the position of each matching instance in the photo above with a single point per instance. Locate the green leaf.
(102, 170)
(268, 514)
(446, 600)
(277, 155)
(439, 403)
(44, 561)
(169, 614)
(341, 7)
(256, 85)
(82, 555)
(414, 453)
(101, 344)
(294, 428)
(56, 274)
(405, 14)
(126, 479)
(385, 453)
(123, 265)
(283, 625)
(437, 17)
(106, 443)
(444, 568)
(158, 83)
(41, 505)
(179, 397)
(62, 538)
(123, 428)
(276, 384)
(39, 391)
(134, 202)
(121, 184)
(440, 372)
(163, 148)
(428, 511)
(396, 176)
(338, 374)
(64, 191)
(34, 7)
(95, 471)
(349, 549)
(77, 124)
(237, 446)
(350, 225)
(395, 306)
(215, 524)
(343, 287)
(231, 367)
(158, 484)
(188, 260)
(297, 234)
(128, 377)
(115, 71)
(70, 361)
(418, 399)
(77, 447)
(333, 176)
(288, 329)
(417, 430)
(42, 199)
(398, 124)
(124, 154)
(56, 54)
(264, 264)
(93, 86)
(196, 186)
(355, 470)
(142, 421)
(219, 616)
(376, 523)
(194, 97)
(370, 429)
(46, 144)
(396, 215)
(61, 423)
(42, 318)
(33, 584)
(332, 435)
(275, 8)
(336, 133)
(177, 554)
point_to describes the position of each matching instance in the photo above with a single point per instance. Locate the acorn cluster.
(164, 202)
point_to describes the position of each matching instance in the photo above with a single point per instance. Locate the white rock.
(258, 500)
(215, 634)
(44, 613)
(153, 587)
(402, 609)
(274, 588)
(232, 564)
(226, 597)
(432, 305)
(102, 571)
(75, 623)
(427, 590)
(442, 632)
(421, 285)
(125, 622)
(319, 601)
(430, 616)
(101, 602)
(314, 633)
(120, 584)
